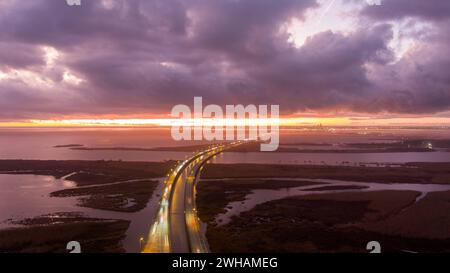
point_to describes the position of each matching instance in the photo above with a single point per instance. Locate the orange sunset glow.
(253, 130)
(288, 121)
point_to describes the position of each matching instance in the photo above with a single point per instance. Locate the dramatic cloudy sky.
(138, 58)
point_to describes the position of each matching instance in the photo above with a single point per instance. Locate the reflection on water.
(38, 143)
(24, 196)
(257, 197)
(27, 196)
(142, 220)
(349, 159)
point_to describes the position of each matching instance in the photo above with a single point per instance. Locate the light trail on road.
(176, 228)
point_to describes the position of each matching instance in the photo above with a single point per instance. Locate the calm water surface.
(260, 196)
(28, 196)
(39, 144)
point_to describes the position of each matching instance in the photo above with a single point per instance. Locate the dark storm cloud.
(57, 24)
(243, 28)
(420, 82)
(16, 55)
(396, 9)
(328, 71)
(145, 56)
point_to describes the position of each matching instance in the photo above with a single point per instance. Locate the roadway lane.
(176, 228)
(197, 241)
(177, 220)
